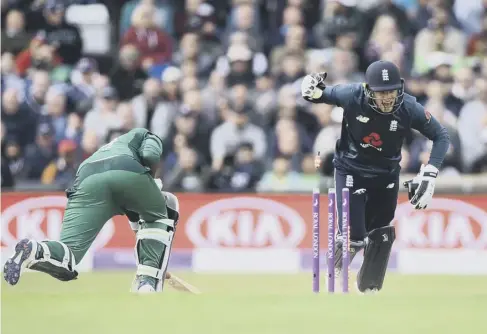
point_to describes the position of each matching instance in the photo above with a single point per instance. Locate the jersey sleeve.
(428, 126)
(339, 95)
(150, 150)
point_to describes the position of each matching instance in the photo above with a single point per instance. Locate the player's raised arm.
(314, 90)
(422, 187)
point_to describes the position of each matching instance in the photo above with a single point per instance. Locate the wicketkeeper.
(377, 117)
(118, 179)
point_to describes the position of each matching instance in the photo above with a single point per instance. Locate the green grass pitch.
(99, 303)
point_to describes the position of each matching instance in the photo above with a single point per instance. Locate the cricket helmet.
(383, 76)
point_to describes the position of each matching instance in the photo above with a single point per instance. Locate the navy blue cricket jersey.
(370, 143)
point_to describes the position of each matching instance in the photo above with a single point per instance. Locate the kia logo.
(245, 222)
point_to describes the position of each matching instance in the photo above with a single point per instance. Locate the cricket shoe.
(25, 252)
(367, 291)
(144, 284)
(355, 247)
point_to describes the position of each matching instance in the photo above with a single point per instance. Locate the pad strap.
(156, 234)
(149, 271)
(46, 257)
(166, 221)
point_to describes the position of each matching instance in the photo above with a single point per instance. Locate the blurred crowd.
(219, 82)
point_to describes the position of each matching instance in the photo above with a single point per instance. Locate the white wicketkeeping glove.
(312, 86)
(426, 186)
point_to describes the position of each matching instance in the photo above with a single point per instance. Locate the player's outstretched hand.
(422, 187)
(312, 86)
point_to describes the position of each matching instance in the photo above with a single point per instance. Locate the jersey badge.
(362, 119)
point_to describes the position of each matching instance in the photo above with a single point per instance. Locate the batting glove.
(159, 183)
(312, 86)
(422, 187)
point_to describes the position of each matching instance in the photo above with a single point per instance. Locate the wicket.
(330, 256)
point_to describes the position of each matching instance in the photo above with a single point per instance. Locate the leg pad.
(378, 247)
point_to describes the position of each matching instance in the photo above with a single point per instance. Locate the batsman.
(377, 116)
(118, 179)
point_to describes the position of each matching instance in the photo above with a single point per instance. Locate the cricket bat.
(180, 285)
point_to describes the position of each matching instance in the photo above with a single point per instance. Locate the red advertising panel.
(254, 221)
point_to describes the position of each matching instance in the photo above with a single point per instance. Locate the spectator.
(440, 92)
(36, 92)
(149, 110)
(155, 45)
(14, 157)
(242, 176)
(19, 121)
(477, 45)
(463, 87)
(426, 10)
(471, 126)
(211, 96)
(280, 178)
(104, 117)
(440, 35)
(227, 136)
(82, 92)
(238, 66)
(163, 14)
(340, 16)
(62, 170)
(74, 128)
(182, 18)
(470, 14)
(389, 8)
(127, 76)
(265, 98)
(191, 49)
(126, 114)
(89, 144)
(64, 37)
(192, 123)
(187, 173)
(7, 179)
(288, 143)
(292, 69)
(14, 36)
(416, 86)
(308, 176)
(9, 76)
(204, 24)
(385, 37)
(288, 109)
(239, 100)
(244, 20)
(326, 140)
(54, 112)
(480, 164)
(294, 43)
(292, 16)
(39, 55)
(345, 67)
(170, 88)
(39, 154)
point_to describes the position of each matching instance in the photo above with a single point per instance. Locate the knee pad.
(378, 248)
(172, 205)
(163, 232)
(63, 269)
